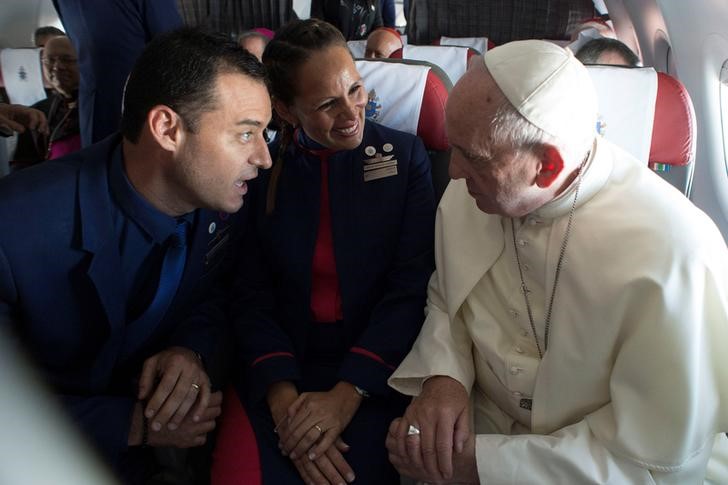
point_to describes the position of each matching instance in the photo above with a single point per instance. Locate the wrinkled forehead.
(475, 98)
(471, 106)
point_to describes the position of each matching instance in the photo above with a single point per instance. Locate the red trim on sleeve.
(371, 355)
(271, 355)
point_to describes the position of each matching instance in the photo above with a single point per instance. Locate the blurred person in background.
(60, 66)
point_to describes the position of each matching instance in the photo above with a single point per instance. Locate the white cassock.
(634, 386)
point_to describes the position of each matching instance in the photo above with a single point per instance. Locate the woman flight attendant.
(331, 297)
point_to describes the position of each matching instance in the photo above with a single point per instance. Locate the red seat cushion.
(235, 460)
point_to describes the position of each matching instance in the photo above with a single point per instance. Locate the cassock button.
(513, 313)
(518, 349)
(522, 242)
(212, 227)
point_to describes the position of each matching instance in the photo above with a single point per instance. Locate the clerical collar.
(595, 173)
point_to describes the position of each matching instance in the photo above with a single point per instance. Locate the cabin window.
(724, 109)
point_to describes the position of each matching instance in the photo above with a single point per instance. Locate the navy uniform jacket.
(60, 283)
(383, 233)
(109, 36)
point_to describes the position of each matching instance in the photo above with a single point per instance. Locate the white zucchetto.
(547, 85)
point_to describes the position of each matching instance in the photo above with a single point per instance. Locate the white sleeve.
(573, 455)
(442, 348)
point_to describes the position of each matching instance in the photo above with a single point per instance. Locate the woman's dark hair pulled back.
(292, 46)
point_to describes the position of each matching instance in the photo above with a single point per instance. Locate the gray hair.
(511, 129)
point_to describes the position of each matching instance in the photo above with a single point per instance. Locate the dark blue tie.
(173, 266)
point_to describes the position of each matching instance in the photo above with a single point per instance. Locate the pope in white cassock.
(578, 318)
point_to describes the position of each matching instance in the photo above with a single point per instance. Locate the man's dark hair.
(46, 31)
(592, 50)
(179, 69)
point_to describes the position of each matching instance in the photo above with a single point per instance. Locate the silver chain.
(524, 288)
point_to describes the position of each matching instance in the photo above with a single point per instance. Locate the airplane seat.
(357, 48)
(675, 130)
(237, 17)
(235, 439)
(451, 59)
(650, 115)
(480, 44)
(503, 21)
(416, 107)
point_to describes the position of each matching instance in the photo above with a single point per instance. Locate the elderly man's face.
(501, 180)
(381, 43)
(61, 65)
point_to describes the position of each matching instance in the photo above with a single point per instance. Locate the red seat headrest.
(431, 121)
(674, 128)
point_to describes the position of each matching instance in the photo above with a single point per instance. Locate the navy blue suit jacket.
(60, 284)
(109, 36)
(383, 236)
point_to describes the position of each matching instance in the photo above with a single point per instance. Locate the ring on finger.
(413, 430)
(196, 387)
(319, 429)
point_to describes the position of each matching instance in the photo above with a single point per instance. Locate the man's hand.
(14, 117)
(318, 418)
(410, 464)
(188, 434)
(182, 381)
(441, 414)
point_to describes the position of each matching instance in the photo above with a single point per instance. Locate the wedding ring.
(195, 387)
(413, 430)
(318, 428)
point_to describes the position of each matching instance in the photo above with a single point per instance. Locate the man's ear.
(165, 126)
(550, 167)
(285, 112)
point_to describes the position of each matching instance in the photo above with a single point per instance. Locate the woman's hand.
(280, 397)
(318, 418)
(328, 468)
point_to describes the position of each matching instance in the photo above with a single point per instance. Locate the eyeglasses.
(65, 60)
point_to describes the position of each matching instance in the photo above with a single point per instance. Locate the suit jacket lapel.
(97, 232)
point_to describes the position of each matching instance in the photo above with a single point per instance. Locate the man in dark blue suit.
(109, 36)
(108, 257)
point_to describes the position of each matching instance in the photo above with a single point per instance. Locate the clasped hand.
(172, 382)
(437, 454)
(309, 431)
